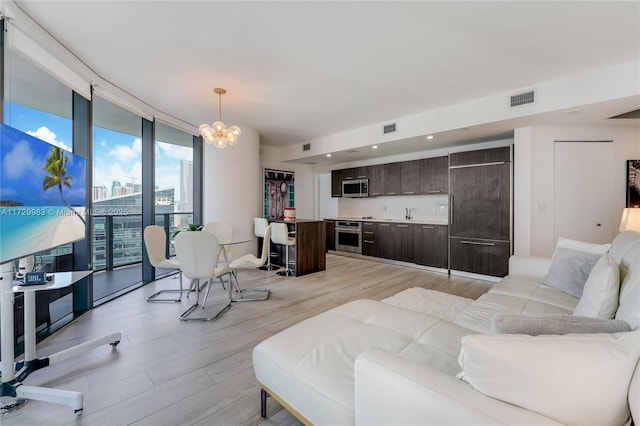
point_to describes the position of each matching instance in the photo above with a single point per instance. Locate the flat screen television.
(42, 195)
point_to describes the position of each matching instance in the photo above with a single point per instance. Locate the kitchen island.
(309, 253)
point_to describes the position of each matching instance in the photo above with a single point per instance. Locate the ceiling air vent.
(389, 128)
(306, 147)
(310, 163)
(523, 98)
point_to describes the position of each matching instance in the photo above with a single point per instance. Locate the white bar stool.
(280, 235)
(259, 227)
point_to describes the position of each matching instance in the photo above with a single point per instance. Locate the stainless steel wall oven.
(349, 236)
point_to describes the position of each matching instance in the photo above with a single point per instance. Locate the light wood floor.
(170, 372)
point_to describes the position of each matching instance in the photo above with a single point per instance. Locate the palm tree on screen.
(56, 167)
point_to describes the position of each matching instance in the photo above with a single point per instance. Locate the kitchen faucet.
(407, 214)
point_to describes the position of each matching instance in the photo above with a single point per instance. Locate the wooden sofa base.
(265, 392)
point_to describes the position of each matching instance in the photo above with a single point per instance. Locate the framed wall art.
(633, 183)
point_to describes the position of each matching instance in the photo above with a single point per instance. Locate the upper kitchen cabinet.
(393, 179)
(376, 180)
(480, 157)
(337, 176)
(434, 175)
(355, 173)
(410, 177)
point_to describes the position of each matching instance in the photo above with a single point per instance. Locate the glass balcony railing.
(117, 240)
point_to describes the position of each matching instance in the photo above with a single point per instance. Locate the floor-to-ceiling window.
(117, 197)
(38, 104)
(173, 158)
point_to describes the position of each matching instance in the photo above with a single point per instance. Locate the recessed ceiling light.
(374, 147)
(328, 155)
(429, 137)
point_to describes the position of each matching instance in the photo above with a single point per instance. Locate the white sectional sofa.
(369, 362)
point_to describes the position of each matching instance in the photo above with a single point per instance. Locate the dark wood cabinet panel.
(395, 241)
(434, 175)
(384, 241)
(393, 179)
(369, 238)
(376, 180)
(430, 245)
(410, 177)
(355, 173)
(482, 156)
(480, 256)
(480, 201)
(480, 211)
(331, 234)
(337, 176)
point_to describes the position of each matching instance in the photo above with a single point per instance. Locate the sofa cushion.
(586, 376)
(554, 324)
(518, 295)
(570, 270)
(629, 309)
(624, 247)
(600, 294)
(311, 364)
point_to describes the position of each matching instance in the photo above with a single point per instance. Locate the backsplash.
(422, 207)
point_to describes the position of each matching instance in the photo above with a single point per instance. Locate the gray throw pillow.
(554, 324)
(569, 270)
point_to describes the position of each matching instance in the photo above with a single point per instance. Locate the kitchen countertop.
(418, 221)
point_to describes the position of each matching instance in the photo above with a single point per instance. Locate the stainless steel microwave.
(355, 188)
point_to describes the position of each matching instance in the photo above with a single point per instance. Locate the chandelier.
(217, 134)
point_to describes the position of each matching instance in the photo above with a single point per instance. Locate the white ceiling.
(295, 71)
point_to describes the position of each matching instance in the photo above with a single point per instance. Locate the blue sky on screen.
(22, 160)
(117, 156)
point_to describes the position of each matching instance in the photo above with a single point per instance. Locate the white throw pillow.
(573, 379)
(600, 294)
(629, 309)
(571, 264)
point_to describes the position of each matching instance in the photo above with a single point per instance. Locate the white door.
(585, 194)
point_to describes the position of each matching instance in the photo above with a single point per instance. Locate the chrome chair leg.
(154, 297)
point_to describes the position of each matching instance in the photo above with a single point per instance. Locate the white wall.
(231, 186)
(534, 206)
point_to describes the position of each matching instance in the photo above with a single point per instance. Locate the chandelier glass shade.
(217, 134)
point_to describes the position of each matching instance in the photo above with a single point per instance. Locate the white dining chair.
(155, 241)
(259, 227)
(249, 261)
(280, 235)
(197, 253)
(223, 232)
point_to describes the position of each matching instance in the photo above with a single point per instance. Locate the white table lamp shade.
(630, 220)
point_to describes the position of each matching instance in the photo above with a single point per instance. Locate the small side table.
(13, 374)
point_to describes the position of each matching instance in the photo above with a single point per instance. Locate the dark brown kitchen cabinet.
(369, 238)
(395, 241)
(480, 201)
(481, 156)
(480, 256)
(355, 173)
(480, 211)
(331, 234)
(434, 175)
(410, 177)
(337, 176)
(393, 179)
(430, 245)
(376, 180)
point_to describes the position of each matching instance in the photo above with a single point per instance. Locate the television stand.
(12, 373)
